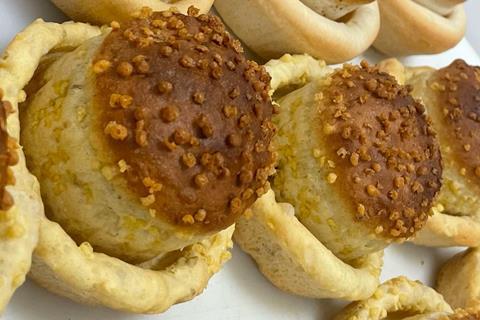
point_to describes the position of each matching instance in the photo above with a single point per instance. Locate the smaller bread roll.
(105, 11)
(459, 279)
(452, 98)
(331, 30)
(419, 26)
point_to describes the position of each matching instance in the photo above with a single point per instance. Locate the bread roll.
(105, 11)
(332, 30)
(20, 203)
(149, 141)
(419, 26)
(452, 97)
(359, 164)
(400, 298)
(459, 281)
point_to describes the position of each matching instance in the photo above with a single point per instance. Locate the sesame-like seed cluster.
(8, 156)
(187, 116)
(383, 154)
(458, 90)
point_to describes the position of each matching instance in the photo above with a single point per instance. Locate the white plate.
(239, 291)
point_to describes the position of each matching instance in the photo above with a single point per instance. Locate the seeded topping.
(8, 156)
(468, 314)
(458, 90)
(382, 149)
(179, 103)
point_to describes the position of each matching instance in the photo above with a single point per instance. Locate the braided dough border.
(105, 11)
(76, 271)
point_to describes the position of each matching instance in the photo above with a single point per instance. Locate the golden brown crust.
(467, 314)
(8, 156)
(186, 116)
(388, 160)
(458, 89)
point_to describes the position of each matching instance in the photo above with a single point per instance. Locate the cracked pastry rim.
(314, 271)
(76, 271)
(105, 11)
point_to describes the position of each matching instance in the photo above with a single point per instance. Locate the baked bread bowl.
(331, 30)
(359, 168)
(419, 26)
(401, 298)
(451, 96)
(102, 12)
(149, 138)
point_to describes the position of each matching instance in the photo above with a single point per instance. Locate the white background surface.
(473, 26)
(239, 291)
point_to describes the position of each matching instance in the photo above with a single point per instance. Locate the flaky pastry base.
(401, 298)
(105, 11)
(63, 267)
(271, 28)
(297, 262)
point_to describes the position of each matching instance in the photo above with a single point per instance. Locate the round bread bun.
(403, 297)
(419, 26)
(332, 30)
(459, 279)
(452, 97)
(105, 11)
(105, 215)
(357, 159)
(20, 204)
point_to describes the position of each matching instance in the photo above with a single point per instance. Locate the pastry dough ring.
(76, 271)
(285, 251)
(18, 225)
(273, 27)
(105, 11)
(459, 279)
(409, 28)
(397, 295)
